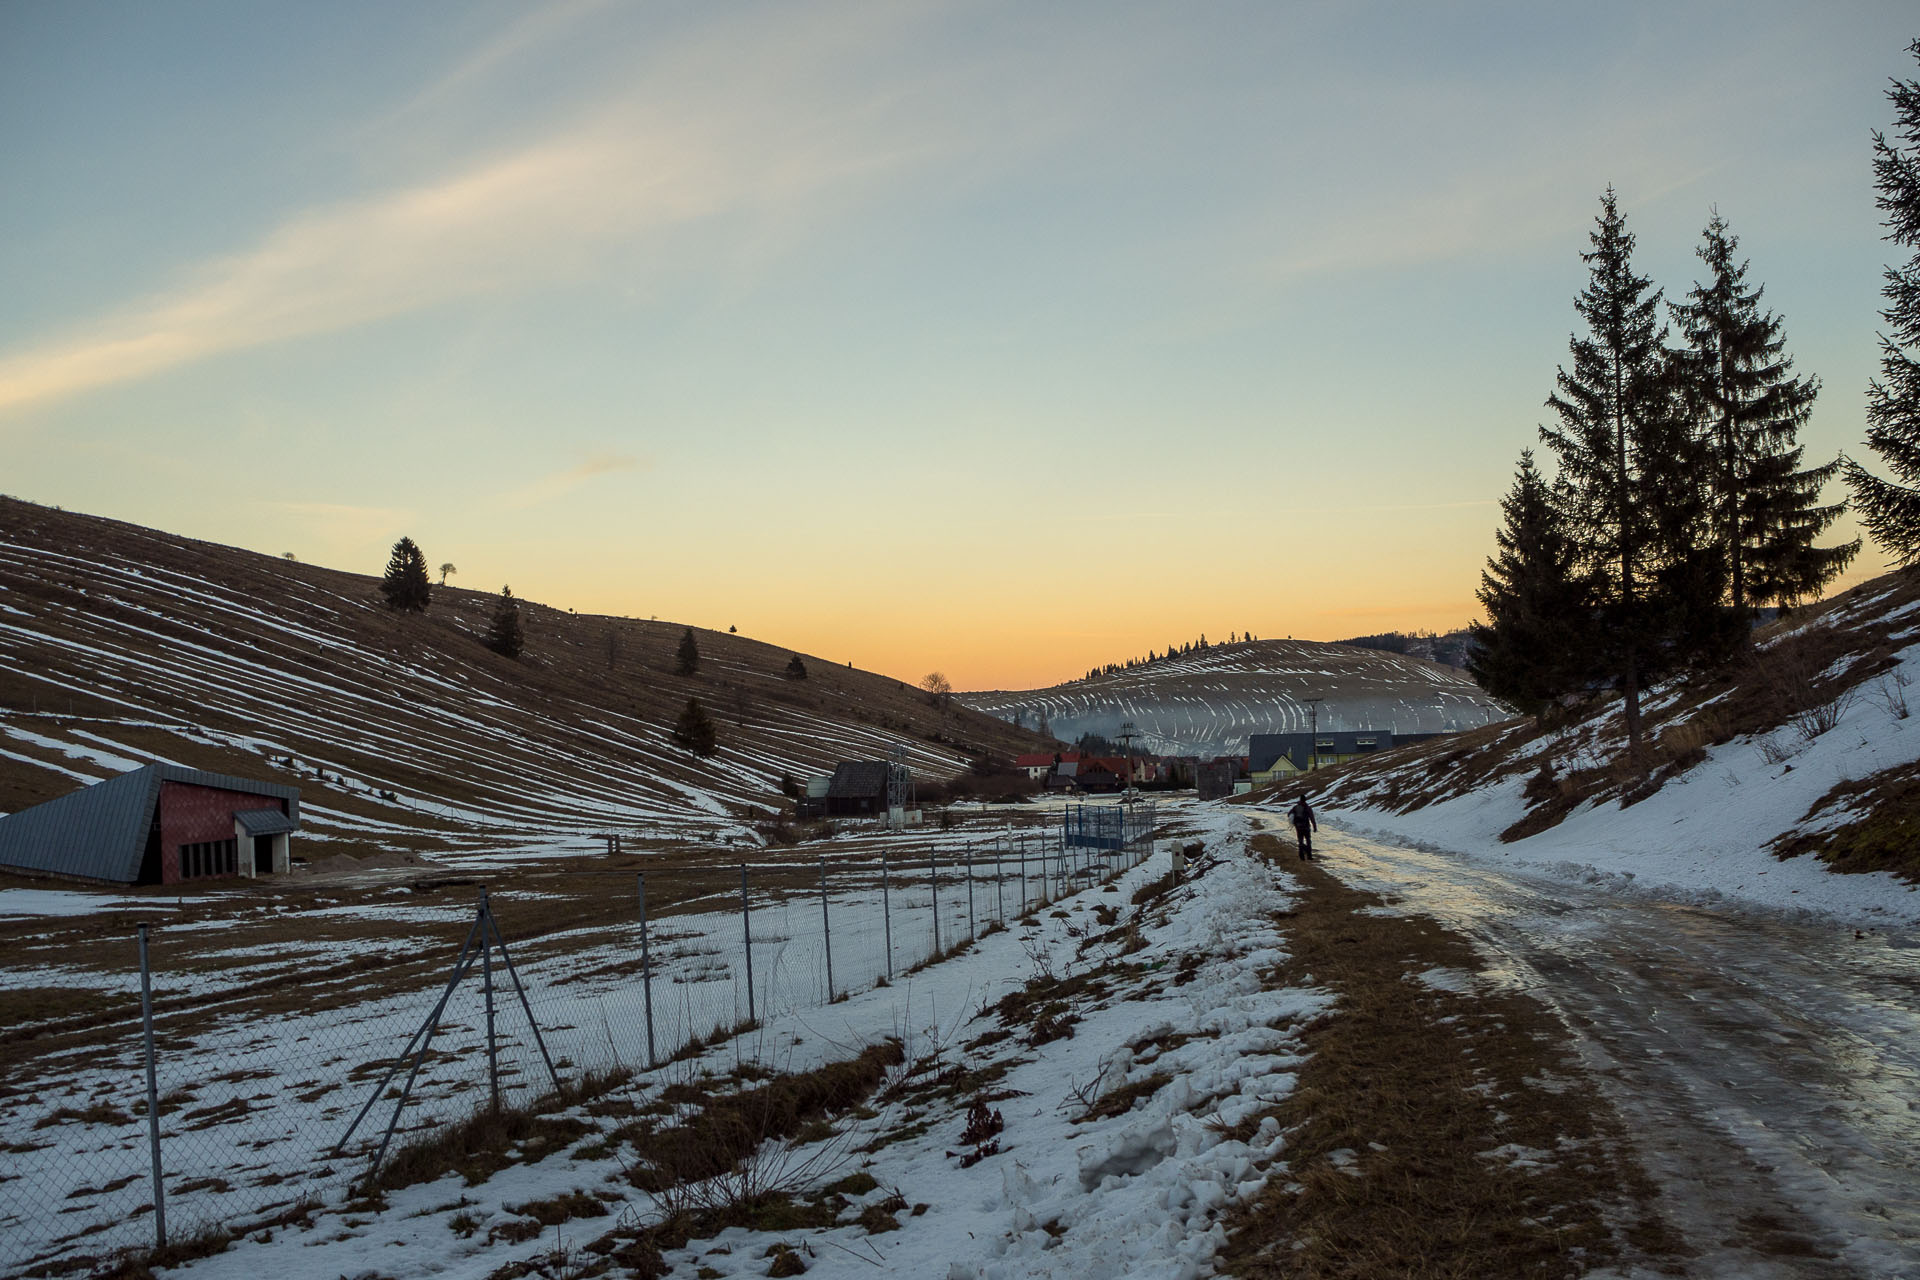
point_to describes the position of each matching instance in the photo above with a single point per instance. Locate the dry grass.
(490, 1140)
(1885, 836)
(729, 1127)
(1406, 1088)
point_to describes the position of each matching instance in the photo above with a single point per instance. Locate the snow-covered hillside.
(121, 645)
(1208, 702)
(1760, 781)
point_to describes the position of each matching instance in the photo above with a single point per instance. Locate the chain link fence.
(256, 1086)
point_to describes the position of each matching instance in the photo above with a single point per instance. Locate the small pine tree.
(796, 669)
(687, 661)
(406, 585)
(694, 729)
(504, 636)
(1891, 508)
(1538, 606)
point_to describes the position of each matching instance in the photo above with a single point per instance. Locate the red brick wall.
(190, 815)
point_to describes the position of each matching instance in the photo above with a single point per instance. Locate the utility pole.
(1313, 733)
(1127, 734)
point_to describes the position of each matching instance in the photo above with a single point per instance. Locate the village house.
(161, 824)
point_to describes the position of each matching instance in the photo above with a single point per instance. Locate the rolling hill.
(1207, 702)
(121, 645)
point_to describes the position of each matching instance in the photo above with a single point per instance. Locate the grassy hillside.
(1206, 703)
(121, 645)
(1805, 746)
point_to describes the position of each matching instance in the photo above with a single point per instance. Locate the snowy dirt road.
(1768, 1071)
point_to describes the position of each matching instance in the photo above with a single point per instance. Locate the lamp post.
(1313, 733)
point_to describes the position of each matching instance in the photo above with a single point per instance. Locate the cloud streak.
(764, 118)
(561, 483)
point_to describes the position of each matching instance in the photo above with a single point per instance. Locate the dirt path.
(1768, 1072)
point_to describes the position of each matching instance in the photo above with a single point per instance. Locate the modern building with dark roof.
(161, 824)
(1276, 755)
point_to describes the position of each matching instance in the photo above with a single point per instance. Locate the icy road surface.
(1768, 1070)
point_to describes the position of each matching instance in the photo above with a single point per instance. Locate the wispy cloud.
(561, 483)
(762, 117)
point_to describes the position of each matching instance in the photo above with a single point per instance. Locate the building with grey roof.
(858, 787)
(161, 824)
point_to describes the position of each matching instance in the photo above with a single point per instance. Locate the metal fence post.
(886, 912)
(933, 875)
(746, 940)
(970, 931)
(486, 982)
(999, 890)
(1023, 873)
(826, 926)
(646, 970)
(153, 1098)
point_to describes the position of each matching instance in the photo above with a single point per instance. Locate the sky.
(998, 339)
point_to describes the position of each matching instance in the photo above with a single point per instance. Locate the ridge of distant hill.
(1207, 702)
(121, 645)
(1448, 648)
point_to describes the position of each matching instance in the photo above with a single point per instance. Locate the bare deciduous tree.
(445, 570)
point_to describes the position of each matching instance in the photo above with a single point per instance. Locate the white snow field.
(1704, 836)
(252, 1109)
(1139, 1193)
(1207, 703)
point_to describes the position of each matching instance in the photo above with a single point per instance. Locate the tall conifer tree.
(687, 659)
(1604, 405)
(1539, 606)
(1891, 508)
(405, 584)
(1748, 408)
(1628, 479)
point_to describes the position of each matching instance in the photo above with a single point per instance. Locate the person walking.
(1303, 824)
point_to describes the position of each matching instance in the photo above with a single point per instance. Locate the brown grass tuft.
(1406, 1088)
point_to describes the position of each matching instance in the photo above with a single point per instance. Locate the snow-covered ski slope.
(121, 645)
(1207, 703)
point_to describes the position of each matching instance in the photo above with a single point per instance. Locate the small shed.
(161, 824)
(857, 788)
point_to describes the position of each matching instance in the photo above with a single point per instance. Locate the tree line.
(1680, 502)
(1171, 651)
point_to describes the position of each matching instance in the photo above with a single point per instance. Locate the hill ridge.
(121, 645)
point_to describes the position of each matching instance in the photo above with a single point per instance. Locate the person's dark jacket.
(1302, 815)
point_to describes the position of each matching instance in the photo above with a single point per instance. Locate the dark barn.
(858, 788)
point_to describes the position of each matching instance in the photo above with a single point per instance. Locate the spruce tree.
(1539, 606)
(694, 729)
(1628, 467)
(687, 661)
(503, 635)
(1748, 409)
(1891, 508)
(405, 584)
(796, 669)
